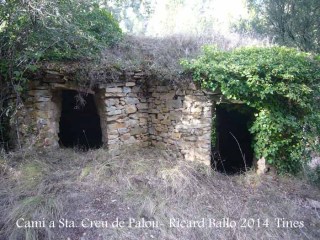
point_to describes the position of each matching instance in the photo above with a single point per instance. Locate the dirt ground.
(147, 194)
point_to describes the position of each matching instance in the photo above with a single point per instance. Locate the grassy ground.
(73, 190)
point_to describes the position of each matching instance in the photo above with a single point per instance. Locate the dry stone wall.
(181, 119)
(132, 111)
(125, 114)
(35, 123)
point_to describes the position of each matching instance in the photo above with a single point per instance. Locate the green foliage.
(282, 84)
(132, 14)
(32, 31)
(64, 30)
(293, 23)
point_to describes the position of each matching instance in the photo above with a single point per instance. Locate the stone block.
(113, 90)
(136, 89)
(130, 109)
(155, 95)
(123, 130)
(168, 96)
(160, 116)
(131, 101)
(113, 132)
(159, 144)
(196, 109)
(111, 102)
(42, 99)
(198, 93)
(153, 111)
(133, 95)
(125, 137)
(143, 121)
(133, 122)
(111, 108)
(114, 112)
(42, 114)
(137, 130)
(195, 121)
(164, 109)
(157, 101)
(162, 89)
(180, 92)
(116, 94)
(130, 140)
(41, 105)
(155, 121)
(113, 141)
(115, 126)
(175, 115)
(161, 128)
(40, 93)
(190, 138)
(142, 115)
(130, 84)
(142, 106)
(127, 90)
(166, 122)
(192, 86)
(176, 135)
(133, 116)
(111, 137)
(114, 118)
(174, 104)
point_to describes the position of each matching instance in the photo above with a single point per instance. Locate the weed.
(149, 184)
(31, 210)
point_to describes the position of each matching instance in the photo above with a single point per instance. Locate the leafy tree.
(133, 15)
(282, 84)
(43, 29)
(293, 23)
(35, 30)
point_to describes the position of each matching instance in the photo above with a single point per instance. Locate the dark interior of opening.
(234, 153)
(79, 123)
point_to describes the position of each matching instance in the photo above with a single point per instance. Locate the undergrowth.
(149, 184)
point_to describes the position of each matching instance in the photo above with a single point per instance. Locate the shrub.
(31, 31)
(282, 84)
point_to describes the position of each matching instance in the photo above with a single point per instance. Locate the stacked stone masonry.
(132, 112)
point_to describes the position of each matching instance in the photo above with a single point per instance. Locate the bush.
(282, 84)
(64, 30)
(31, 31)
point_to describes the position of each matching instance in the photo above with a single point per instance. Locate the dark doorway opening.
(234, 141)
(79, 123)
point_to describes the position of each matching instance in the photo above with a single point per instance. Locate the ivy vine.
(282, 84)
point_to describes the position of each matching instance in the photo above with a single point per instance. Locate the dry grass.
(146, 183)
(158, 57)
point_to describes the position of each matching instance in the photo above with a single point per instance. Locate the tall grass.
(151, 184)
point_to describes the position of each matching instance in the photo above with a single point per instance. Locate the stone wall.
(36, 121)
(132, 111)
(125, 114)
(181, 119)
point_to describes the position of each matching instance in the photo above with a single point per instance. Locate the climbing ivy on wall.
(282, 84)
